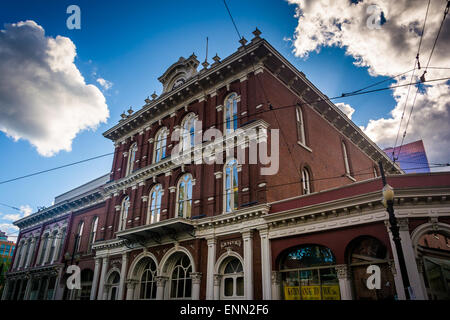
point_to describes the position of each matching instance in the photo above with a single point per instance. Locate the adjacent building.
(193, 210)
(411, 157)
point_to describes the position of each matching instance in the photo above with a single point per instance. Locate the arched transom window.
(148, 281)
(181, 282)
(231, 186)
(231, 116)
(184, 196)
(233, 280)
(154, 204)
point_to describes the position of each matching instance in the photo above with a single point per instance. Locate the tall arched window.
(184, 196)
(124, 213)
(306, 181)
(93, 233)
(154, 204)
(375, 174)
(233, 280)
(54, 238)
(27, 252)
(43, 249)
(131, 158)
(148, 281)
(181, 282)
(188, 130)
(79, 235)
(347, 165)
(61, 243)
(231, 186)
(300, 126)
(231, 116)
(159, 150)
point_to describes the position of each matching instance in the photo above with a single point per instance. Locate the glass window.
(306, 181)
(233, 279)
(148, 281)
(160, 142)
(131, 158)
(93, 233)
(154, 204)
(181, 282)
(52, 246)
(231, 116)
(79, 235)
(188, 132)
(300, 126)
(346, 163)
(124, 213)
(184, 198)
(231, 186)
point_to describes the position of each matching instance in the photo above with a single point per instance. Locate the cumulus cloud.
(105, 83)
(26, 210)
(346, 109)
(43, 96)
(387, 51)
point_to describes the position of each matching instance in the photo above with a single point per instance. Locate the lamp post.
(388, 202)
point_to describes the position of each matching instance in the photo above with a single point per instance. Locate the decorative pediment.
(178, 73)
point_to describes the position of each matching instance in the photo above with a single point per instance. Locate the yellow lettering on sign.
(292, 293)
(329, 292)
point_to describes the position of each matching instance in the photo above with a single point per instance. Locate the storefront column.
(395, 267)
(123, 275)
(102, 278)
(210, 268)
(247, 237)
(131, 284)
(276, 285)
(345, 286)
(410, 260)
(160, 284)
(266, 264)
(95, 279)
(217, 281)
(196, 280)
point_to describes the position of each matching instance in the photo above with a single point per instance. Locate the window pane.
(240, 286)
(228, 286)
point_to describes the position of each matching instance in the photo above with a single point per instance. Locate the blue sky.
(131, 46)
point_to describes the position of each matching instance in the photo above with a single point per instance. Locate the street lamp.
(388, 202)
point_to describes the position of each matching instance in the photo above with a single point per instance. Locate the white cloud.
(105, 83)
(26, 210)
(10, 230)
(12, 217)
(388, 51)
(43, 96)
(346, 109)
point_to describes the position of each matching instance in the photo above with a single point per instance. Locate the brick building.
(170, 226)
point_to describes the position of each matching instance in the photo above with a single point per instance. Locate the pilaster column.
(210, 268)
(217, 281)
(247, 237)
(266, 264)
(276, 285)
(196, 280)
(345, 286)
(131, 284)
(410, 260)
(123, 275)
(160, 284)
(95, 280)
(102, 278)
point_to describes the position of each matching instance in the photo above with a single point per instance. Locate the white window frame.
(300, 126)
(306, 181)
(182, 179)
(185, 131)
(230, 112)
(159, 144)
(346, 162)
(153, 274)
(124, 208)
(154, 209)
(79, 235)
(231, 192)
(233, 276)
(131, 158)
(93, 233)
(187, 277)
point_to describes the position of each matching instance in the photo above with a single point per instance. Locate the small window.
(346, 163)
(131, 158)
(159, 151)
(79, 235)
(306, 181)
(93, 233)
(231, 115)
(187, 134)
(184, 196)
(231, 186)
(300, 126)
(154, 204)
(124, 213)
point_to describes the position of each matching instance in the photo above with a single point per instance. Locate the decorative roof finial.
(123, 115)
(130, 111)
(205, 64)
(216, 58)
(257, 33)
(243, 41)
(147, 100)
(154, 95)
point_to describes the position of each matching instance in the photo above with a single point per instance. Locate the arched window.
(231, 116)
(131, 158)
(54, 238)
(154, 204)
(187, 134)
(184, 196)
(124, 213)
(27, 252)
(306, 181)
(300, 126)
(308, 273)
(375, 174)
(231, 186)
(93, 233)
(159, 150)
(148, 281)
(113, 283)
(181, 282)
(233, 280)
(43, 249)
(346, 163)
(61, 243)
(79, 235)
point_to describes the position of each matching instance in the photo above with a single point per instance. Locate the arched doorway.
(232, 282)
(308, 273)
(361, 253)
(433, 250)
(113, 286)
